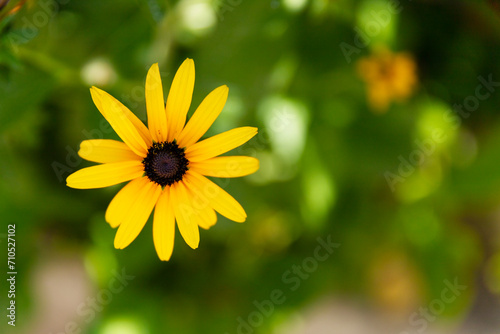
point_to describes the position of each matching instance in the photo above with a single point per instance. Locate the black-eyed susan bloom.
(165, 163)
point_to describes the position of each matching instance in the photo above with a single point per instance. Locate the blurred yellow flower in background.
(389, 77)
(395, 283)
(165, 163)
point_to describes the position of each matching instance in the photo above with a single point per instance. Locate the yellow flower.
(389, 77)
(165, 164)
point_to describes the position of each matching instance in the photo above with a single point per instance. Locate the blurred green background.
(409, 219)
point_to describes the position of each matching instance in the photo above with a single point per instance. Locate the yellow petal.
(205, 190)
(208, 218)
(141, 128)
(164, 227)
(137, 214)
(106, 150)
(179, 98)
(233, 166)
(203, 117)
(122, 125)
(118, 208)
(220, 143)
(184, 214)
(105, 175)
(157, 119)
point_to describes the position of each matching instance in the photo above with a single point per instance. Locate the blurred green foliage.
(324, 154)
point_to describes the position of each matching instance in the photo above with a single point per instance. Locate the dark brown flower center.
(165, 163)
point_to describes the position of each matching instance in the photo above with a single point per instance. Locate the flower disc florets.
(165, 163)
